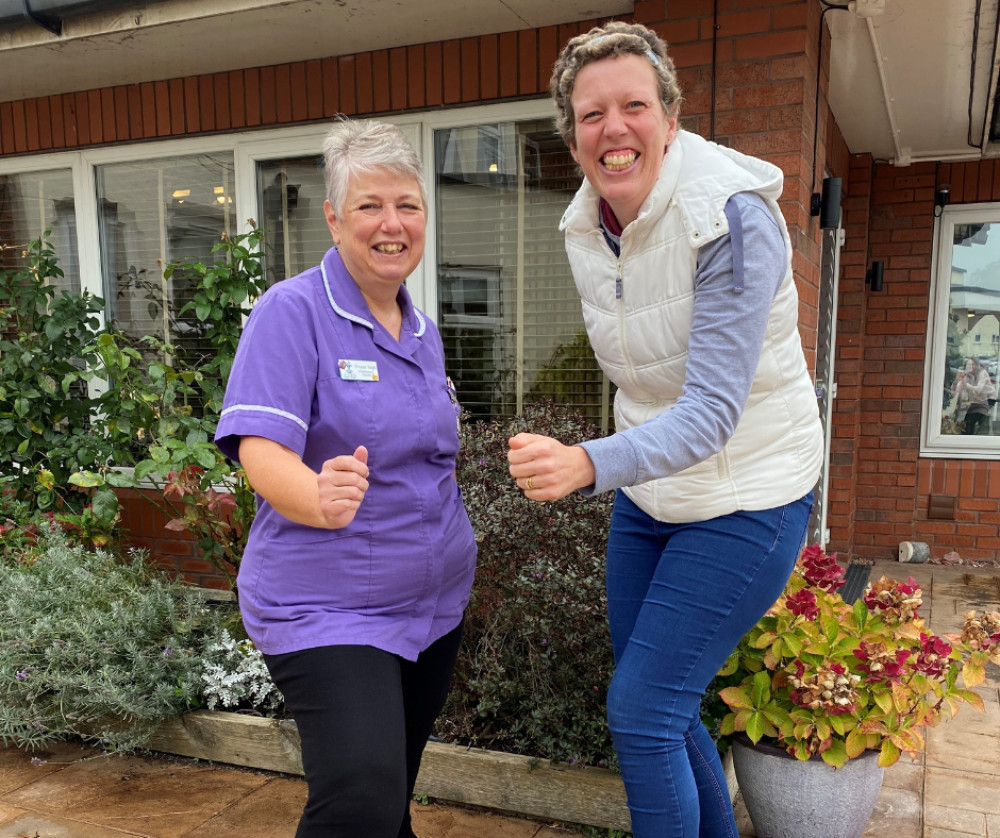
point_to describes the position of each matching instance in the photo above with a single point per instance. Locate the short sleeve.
(273, 380)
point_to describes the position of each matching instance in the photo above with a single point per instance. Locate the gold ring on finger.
(527, 484)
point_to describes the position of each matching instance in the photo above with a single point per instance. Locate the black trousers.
(364, 716)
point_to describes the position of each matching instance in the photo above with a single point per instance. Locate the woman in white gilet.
(683, 264)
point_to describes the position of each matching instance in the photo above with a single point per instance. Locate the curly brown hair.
(610, 41)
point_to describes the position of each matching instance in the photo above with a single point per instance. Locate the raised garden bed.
(506, 782)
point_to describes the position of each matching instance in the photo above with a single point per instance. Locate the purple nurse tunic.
(315, 372)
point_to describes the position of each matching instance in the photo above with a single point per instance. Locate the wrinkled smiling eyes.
(376, 210)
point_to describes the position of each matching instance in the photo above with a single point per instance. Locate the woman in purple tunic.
(361, 558)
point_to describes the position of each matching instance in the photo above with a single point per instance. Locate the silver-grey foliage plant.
(97, 647)
(235, 676)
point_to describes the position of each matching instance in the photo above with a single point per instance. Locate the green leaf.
(761, 690)
(206, 458)
(105, 506)
(86, 479)
(159, 454)
(836, 754)
(145, 469)
(756, 727)
(121, 479)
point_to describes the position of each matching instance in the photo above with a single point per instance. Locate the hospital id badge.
(358, 370)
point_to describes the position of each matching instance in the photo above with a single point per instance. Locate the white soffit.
(900, 80)
(192, 37)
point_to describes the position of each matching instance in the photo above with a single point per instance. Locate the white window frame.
(250, 147)
(933, 442)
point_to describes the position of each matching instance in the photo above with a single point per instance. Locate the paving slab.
(905, 774)
(151, 798)
(957, 818)
(975, 792)
(270, 811)
(436, 821)
(897, 813)
(36, 826)
(18, 767)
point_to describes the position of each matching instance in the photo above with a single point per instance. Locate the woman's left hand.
(545, 469)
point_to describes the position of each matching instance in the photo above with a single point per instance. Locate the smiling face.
(621, 130)
(380, 231)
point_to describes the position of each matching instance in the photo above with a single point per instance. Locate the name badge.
(358, 370)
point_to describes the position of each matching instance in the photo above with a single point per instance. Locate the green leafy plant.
(46, 337)
(166, 412)
(96, 648)
(536, 661)
(819, 676)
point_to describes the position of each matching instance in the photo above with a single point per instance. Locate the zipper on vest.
(622, 341)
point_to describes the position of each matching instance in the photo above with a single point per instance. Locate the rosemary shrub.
(96, 647)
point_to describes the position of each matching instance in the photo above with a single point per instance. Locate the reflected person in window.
(972, 391)
(683, 263)
(361, 557)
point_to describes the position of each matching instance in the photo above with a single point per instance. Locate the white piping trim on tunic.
(354, 318)
(260, 408)
(345, 314)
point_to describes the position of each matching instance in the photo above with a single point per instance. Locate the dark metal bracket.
(52, 24)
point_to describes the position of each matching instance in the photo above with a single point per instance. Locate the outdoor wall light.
(827, 204)
(874, 278)
(941, 197)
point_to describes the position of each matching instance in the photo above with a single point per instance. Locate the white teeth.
(617, 162)
(394, 247)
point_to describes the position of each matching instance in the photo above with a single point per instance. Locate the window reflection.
(31, 205)
(152, 214)
(290, 193)
(972, 356)
(509, 312)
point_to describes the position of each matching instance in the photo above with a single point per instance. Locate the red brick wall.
(145, 529)
(880, 487)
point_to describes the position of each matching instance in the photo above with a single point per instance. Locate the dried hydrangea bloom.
(894, 602)
(982, 633)
(831, 689)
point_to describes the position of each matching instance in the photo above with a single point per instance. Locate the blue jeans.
(680, 598)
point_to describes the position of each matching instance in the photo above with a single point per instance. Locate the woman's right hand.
(327, 500)
(342, 483)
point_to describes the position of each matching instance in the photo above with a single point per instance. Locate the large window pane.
(32, 204)
(509, 313)
(290, 194)
(966, 351)
(151, 214)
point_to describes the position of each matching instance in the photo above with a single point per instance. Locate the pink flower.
(803, 604)
(934, 654)
(821, 570)
(879, 664)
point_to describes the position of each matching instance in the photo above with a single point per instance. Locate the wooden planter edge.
(454, 773)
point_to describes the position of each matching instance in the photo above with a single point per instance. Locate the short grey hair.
(610, 41)
(356, 147)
